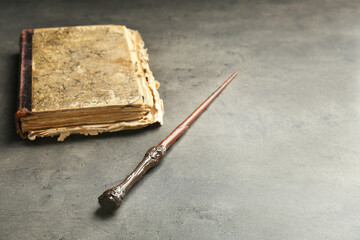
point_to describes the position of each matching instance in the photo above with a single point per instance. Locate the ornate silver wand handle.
(111, 198)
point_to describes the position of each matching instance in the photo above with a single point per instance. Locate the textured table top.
(276, 156)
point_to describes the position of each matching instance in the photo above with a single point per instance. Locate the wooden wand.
(111, 198)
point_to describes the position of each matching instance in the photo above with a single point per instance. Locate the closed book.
(84, 80)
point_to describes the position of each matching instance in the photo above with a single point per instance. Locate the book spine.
(25, 82)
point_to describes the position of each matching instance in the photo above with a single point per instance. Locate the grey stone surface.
(276, 156)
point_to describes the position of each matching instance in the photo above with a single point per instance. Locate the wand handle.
(111, 198)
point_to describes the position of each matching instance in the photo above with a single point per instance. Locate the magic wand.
(111, 198)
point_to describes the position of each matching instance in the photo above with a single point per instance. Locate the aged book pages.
(87, 80)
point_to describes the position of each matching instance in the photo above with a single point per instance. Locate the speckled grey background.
(276, 156)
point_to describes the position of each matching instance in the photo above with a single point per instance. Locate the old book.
(85, 80)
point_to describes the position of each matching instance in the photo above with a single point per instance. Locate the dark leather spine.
(25, 81)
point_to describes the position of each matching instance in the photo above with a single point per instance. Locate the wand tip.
(109, 201)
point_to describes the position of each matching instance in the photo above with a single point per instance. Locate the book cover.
(84, 80)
